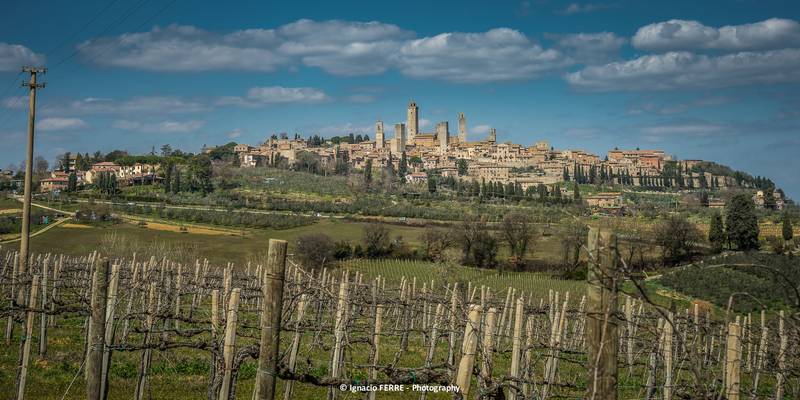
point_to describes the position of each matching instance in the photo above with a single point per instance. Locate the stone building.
(412, 121)
(399, 141)
(462, 127)
(379, 139)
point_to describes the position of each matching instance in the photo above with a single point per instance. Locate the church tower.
(412, 122)
(462, 128)
(492, 135)
(379, 139)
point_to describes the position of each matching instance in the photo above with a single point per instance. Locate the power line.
(115, 23)
(83, 28)
(138, 27)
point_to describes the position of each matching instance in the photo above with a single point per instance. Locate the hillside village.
(419, 155)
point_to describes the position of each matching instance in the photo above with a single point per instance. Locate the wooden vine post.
(470, 345)
(733, 360)
(94, 363)
(601, 322)
(228, 349)
(271, 307)
(27, 339)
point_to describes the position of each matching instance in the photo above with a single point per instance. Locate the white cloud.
(343, 47)
(576, 8)
(349, 127)
(234, 134)
(58, 124)
(496, 55)
(338, 47)
(16, 102)
(15, 56)
(694, 129)
(159, 127)
(480, 129)
(589, 47)
(144, 104)
(676, 34)
(424, 123)
(684, 70)
(186, 48)
(261, 96)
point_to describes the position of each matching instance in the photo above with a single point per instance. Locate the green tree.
(200, 171)
(769, 199)
(402, 169)
(431, 184)
(787, 231)
(677, 237)
(463, 167)
(368, 172)
(741, 222)
(716, 232)
(72, 182)
(176, 184)
(576, 192)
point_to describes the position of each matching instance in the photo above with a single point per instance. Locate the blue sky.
(717, 82)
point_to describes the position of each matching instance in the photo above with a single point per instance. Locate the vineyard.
(104, 326)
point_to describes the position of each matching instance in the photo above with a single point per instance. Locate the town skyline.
(556, 81)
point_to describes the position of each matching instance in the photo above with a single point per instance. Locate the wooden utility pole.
(26, 207)
(601, 320)
(272, 307)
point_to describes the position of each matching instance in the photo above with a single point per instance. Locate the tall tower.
(492, 135)
(379, 139)
(462, 127)
(399, 142)
(412, 122)
(443, 134)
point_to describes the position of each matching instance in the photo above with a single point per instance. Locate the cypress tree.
(787, 231)
(741, 222)
(716, 232)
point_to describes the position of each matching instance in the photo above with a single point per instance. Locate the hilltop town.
(490, 160)
(412, 156)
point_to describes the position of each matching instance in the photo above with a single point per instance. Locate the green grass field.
(218, 249)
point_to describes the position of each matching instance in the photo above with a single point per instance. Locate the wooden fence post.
(470, 344)
(228, 350)
(783, 338)
(733, 359)
(601, 307)
(94, 363)
(28, 338)
(516, 346)
(43, 327)
(488, 345)
(272, 306)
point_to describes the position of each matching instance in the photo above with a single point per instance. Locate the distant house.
(98, 168)
(605, 200)
(53, 184)
(417, 177)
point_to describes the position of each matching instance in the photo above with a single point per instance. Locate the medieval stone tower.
(492, 135)
(443, 134)
(399, 141)
(412, 122)
(462, 127)
(379, 139)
